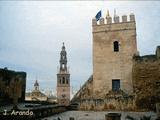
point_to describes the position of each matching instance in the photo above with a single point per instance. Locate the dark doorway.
(115, 84)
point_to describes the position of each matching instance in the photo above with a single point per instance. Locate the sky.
(32, 33)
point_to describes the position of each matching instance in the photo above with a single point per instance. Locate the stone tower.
(114, 45)
(63, 80)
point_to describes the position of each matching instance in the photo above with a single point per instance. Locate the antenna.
(107, 13)
(114, 12)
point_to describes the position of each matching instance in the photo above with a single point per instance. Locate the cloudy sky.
(31, 35)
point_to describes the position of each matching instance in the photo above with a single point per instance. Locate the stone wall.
(10, 82)
(146, 81)
(146, 93)
(85, 92)
(111, 101)
(108, 104)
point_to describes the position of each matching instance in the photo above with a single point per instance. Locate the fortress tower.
(114, 45)
(63, 80)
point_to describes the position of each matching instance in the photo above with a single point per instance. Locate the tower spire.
(63, 59)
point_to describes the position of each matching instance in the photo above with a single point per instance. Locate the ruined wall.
(146, 80)
(111, 101)
(114, 103)
(10, 82)
(85, 92)
(108, 64)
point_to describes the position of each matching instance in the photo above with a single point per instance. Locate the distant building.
(63, 80)
(12, 84)
(36, 94)
(52, 99)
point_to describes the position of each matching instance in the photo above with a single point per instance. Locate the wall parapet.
(114, 24)
(145, 58)
(115, 19)
(148, 58)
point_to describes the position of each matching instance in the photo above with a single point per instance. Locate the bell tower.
(63, 80)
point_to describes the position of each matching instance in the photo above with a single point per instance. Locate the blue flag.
(98, 16)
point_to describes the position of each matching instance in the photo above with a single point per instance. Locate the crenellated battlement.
(115, 19)
(114, 23)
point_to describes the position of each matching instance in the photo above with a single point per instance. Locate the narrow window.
(115, 84)
(67, 81)
(116, 46)
(63, 57)
(63, 80)
(63, 66)
(59, 80)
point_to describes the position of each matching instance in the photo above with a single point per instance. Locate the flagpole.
(114, 12)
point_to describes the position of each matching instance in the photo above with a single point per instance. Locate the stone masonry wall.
(146, 81)
(12, 82)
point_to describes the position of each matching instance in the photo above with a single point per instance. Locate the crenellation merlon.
(116, 19)
(158, 52)
(109, 20)
(132, 17)
(124, 18)
(101, 21)
(94, 22)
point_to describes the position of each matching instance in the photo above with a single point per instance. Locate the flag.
(98, 16)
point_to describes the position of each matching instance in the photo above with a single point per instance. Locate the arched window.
(63, 80)
(116, 46)
(63, 65)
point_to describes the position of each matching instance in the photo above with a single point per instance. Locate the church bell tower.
(63, 80)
